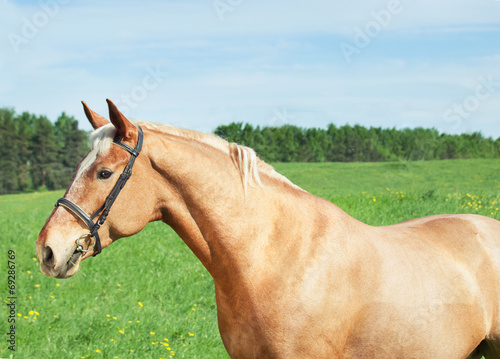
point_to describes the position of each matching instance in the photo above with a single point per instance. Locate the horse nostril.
(48, 257)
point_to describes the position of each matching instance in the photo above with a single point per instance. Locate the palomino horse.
(295, 276)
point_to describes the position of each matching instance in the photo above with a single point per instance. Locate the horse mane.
(244, 158)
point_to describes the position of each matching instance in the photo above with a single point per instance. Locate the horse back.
(459, 255)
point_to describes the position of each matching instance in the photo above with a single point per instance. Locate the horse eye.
(104, 174)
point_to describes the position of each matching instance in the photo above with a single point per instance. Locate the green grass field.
(147, 296)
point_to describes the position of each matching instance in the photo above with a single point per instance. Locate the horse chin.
(69, 269)
(72, 265)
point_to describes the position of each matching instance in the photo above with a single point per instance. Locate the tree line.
(357, 143)
(36, 154)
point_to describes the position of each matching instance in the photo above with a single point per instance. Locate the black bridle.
(104, 209)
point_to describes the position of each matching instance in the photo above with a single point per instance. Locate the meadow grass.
(147, 296)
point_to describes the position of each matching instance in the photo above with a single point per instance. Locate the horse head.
(82, 222)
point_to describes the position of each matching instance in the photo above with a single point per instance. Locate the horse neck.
(224, 225)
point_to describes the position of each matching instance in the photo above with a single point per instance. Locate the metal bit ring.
(79, 247)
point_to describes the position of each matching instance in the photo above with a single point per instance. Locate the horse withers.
(294, 275)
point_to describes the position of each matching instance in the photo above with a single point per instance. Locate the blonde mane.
(244, 158)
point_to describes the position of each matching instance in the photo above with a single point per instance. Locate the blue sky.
(201, 63)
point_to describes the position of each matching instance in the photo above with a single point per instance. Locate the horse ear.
(95, 119)
(123, 126)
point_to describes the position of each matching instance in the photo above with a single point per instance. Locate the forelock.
(100, 141)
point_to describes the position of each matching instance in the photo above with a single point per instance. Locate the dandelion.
(58, 285)
(37, 313)
(120, 331)
(51, 297)
(19, 315)
(37, 285)
(107, 315)
(29, 272)
(31, 312)
(152, 333)
(97, 351)
(114, 318)
(140, 304)
(191, 334)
